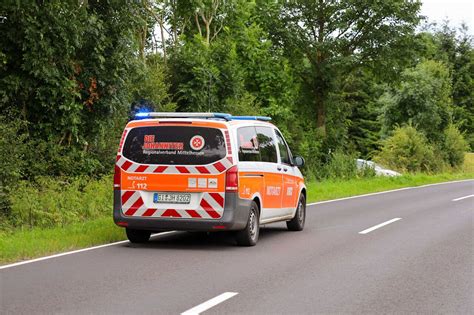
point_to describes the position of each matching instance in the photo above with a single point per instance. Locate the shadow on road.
(205, 240)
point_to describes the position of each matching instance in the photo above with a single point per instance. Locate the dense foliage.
(407, 150)
(342, 79)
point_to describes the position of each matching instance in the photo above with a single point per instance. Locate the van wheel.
(138, 236)
(297, 223)
(249, 235)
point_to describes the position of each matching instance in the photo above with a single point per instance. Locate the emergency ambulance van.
(206, 172)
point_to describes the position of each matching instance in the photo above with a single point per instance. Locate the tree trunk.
(163, 42)
(208, 30)
(197, 23)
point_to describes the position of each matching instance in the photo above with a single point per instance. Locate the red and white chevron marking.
(211, 207)
(214, 168)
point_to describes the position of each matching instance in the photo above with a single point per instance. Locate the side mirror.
(298, 161)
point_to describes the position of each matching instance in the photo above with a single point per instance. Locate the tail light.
(117, 180)
(232, 179)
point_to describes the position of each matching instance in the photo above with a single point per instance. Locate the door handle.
(279, 168)
(285, 169)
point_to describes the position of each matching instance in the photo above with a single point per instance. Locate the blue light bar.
(198, 115)
(181, 115)
(223, 116)
(262, 118)
(144, 114)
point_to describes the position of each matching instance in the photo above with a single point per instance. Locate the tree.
(422, 99)
(238, 71)
(151, 84)
(326, 40)
(65, 72)
(454, 48)
(360, 91)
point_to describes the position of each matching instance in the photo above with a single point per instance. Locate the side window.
(248, 144)
(284, 151)
(266, 144)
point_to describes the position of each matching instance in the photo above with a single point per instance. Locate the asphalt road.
(421, 263)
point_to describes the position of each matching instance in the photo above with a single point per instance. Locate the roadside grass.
(24, 243)
(37, 242)
(468, 166)
(333, 189)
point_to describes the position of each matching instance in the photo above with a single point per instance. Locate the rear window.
(174, 145)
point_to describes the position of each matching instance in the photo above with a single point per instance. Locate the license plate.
(171, 198)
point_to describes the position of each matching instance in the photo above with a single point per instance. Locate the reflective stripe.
(211, 206)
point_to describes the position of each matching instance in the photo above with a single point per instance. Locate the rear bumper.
(236, 213)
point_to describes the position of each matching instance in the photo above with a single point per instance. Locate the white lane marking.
(461, 198)
(379, 226)
(74, 252)
(386, 192)
(210, 303)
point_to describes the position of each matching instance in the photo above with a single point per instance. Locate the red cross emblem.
(197, 143)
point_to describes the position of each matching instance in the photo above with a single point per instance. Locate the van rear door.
(174, 171)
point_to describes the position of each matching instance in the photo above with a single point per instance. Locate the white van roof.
(223, 116)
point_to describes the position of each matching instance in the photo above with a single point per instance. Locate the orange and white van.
(206, 172)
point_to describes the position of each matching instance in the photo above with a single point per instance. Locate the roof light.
(199, 115)
(144, 114)
(262, 118)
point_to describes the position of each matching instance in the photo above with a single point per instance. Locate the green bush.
(340, 166)
(53, 202)
(366, 172)
(310, 149)
(454, 146)
(408, 150)
(12, 161)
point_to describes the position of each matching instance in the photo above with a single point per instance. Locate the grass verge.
(37, 242)
(330, 189)
(30, 243)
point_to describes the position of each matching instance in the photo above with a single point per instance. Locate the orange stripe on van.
(156, 122)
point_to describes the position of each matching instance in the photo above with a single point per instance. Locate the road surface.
(398, 252)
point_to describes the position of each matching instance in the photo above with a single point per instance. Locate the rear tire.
(297, 223)
(249, 235)
(138, 236)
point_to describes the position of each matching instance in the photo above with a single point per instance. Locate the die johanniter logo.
(197, 143)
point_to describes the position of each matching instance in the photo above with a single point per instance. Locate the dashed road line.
(461, 198)
(379, 226)
(210, 303)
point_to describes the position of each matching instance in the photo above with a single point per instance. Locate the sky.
(455, 10)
